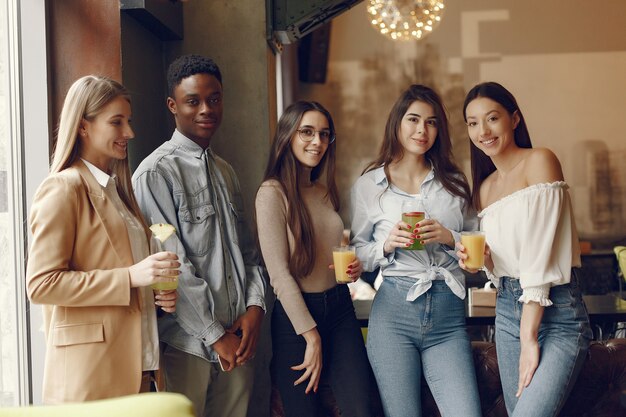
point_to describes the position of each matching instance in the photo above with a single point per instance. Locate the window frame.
(16, 202)
(27, 166)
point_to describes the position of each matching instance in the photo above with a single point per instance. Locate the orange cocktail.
(342, 257)
(474, 243)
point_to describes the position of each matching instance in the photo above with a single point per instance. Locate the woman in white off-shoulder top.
(542, 326)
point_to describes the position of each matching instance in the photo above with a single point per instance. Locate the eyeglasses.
(307, 134)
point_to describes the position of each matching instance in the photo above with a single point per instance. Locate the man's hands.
(249, 324)
(226, 347)
(235, 351)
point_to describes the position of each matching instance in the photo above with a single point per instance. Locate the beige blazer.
(78, 268)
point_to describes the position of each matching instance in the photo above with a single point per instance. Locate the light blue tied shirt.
(376, 207)
(198, 192)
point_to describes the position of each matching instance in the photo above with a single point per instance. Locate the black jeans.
(345, 367)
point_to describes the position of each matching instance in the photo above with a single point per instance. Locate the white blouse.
(140, 249)
(532, 236)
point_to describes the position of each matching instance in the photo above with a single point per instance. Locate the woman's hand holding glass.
(462, 254)
(166, 299)
(431, 231)
(156, 268)
(354, 270)
(399, 237)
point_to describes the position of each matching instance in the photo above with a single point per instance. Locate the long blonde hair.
(85, 100)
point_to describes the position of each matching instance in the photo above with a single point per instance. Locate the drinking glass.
(413, 213)
(474, 243)
(170, 245)
(342, 257)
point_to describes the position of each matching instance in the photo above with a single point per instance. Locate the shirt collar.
(380, 178)
(379, 175)
(100, 176)
(188, 145)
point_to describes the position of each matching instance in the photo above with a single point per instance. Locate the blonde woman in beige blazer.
(89, 262)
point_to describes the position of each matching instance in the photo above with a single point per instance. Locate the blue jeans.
(564, 337)
(345, 367)
(427, 334)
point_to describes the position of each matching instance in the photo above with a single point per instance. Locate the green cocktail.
(412, 218)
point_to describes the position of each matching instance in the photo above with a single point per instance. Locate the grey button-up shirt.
(198, 192)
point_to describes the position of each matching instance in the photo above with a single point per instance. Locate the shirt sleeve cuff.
(384, 260)
(539, 295)
(452, 250)
(212, 334)
(256, 301)
(308, 324)
(491, 277)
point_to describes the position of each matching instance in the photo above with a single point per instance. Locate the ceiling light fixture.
(405, 19)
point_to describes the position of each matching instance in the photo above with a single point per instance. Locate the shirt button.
(230, 277)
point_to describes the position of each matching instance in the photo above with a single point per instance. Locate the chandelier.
(405, 19)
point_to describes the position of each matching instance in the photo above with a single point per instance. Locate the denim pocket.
(197, 222)
(562, 296)
(499, 291)
(235, 218)
(196, 214)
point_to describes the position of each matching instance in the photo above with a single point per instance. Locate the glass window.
(13, 359)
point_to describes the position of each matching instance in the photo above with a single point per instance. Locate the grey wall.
(233, 34)
(143, 72)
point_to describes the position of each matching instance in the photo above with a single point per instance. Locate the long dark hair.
(285, 168)
(439, 155)
(482, 165)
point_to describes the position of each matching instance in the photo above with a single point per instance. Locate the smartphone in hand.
(224, 364)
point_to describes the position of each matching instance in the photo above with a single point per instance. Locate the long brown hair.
(283, 167)
(482, 165)
(439, 155)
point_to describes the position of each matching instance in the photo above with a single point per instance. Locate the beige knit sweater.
(277, 244)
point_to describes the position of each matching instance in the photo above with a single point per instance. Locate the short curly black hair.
(188, 65)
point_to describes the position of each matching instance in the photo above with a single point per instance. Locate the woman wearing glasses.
(315, 333)
(417, 322)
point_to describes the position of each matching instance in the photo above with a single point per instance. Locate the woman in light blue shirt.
(417, 322)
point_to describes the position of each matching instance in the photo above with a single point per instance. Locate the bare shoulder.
(486, 188)
(542, 166)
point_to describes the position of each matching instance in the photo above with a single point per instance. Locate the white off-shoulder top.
(532, 236)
